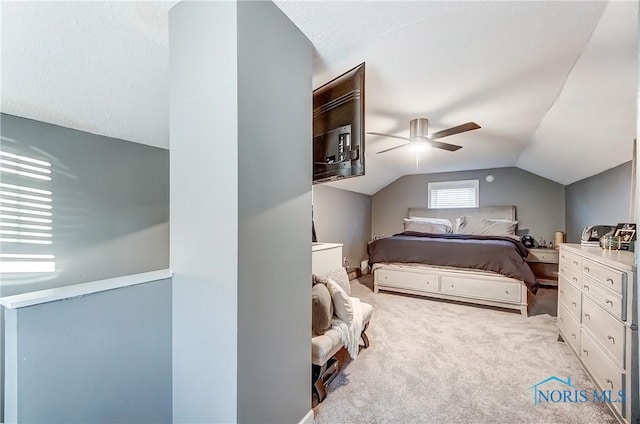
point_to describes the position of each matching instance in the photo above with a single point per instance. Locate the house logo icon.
(538, 392)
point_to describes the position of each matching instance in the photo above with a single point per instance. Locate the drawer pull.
(563, 257)
(506, 292)
(586, 268)
(610, 382)
(587, 316)
(585, 351)
(561, 269)
(609, 302)
(586, 287)
(575, 279)
(575, 263)
(561, 291)
(574, 303)
(561, 319)
(574, 335)
(612, 339)
(610, 280)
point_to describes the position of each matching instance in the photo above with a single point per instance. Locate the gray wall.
(539, 201)
(105, 357)
(240, 111)
(601, 199)
(343, 216)
(274, 216)
(204, 229)
(110, 200)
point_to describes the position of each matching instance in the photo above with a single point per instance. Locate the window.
(454, 194)
(26, 215)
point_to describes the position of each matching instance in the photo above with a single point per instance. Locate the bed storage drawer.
(502, 291)
(569, 296)
(611, 278)
(605, 372)
(570, 327)
(404, 280)
(606, 329)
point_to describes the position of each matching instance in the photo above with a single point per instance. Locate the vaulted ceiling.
(553, 84)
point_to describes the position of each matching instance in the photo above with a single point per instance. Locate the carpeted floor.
(444, 362)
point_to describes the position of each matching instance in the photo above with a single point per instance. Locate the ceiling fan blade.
(469, 126)
(393, 148)
(389, 135)
(444, 146)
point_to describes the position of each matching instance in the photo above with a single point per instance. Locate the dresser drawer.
(611, 278)
(502, 291)
(609, 301)
(573, 275)
(606, 374)
(405, 280)
(606, 329)
(570, 259)
(569, 327)
(570, 297)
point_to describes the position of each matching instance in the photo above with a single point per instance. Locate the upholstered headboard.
(491, 212)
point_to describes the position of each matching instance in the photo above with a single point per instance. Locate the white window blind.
(454, 194)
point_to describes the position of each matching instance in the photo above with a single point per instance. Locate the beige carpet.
(444, 362)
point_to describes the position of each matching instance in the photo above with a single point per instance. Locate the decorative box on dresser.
(598, 319)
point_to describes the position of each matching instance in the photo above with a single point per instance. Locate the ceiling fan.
(419, 139)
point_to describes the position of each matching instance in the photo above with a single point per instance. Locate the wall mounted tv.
(338, 127)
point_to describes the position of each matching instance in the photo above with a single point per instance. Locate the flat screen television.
(338, 127)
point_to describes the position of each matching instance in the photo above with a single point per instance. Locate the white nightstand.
(544, 264)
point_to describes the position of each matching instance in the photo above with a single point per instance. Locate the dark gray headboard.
(492, 212)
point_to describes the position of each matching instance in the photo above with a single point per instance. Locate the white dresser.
(325, 257)
(597, 317)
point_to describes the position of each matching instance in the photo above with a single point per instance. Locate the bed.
(483, 270)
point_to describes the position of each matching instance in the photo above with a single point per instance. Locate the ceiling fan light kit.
(420, 140)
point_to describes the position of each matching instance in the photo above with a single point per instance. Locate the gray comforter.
(489, 253)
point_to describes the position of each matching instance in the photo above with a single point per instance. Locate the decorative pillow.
(428, 227)
(338, 275)
(442, 221)
(321, 309)
(485, 227)
(342, 307)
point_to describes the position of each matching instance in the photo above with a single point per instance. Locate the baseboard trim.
(307, 419)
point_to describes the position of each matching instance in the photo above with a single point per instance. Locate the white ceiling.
(553, 84)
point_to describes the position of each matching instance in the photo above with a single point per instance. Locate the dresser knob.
(585, 351)
(610, 280)
(586, 287)
(587, 316)
(610, 382)
(506, 292)
(612, 339)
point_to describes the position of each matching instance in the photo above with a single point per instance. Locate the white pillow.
(485, 227)
(342, 307)
(443, 221)
(339, 276)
